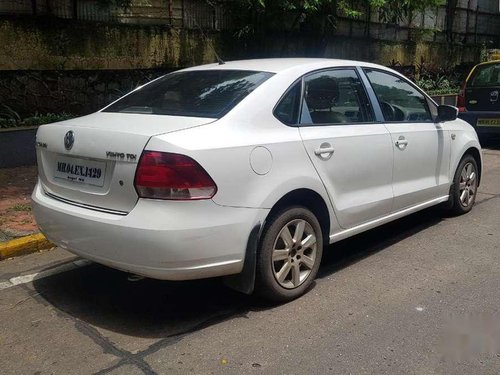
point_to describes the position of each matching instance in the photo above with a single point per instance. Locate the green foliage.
(438, 85)
(392, 11)
(437, 80)
(256, 19)
(46, 119)
(10, 119)
(21, 207)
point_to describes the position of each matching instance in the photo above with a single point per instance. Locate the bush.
(10, 119)
(46, 119)
(438, 80)
(438, 85)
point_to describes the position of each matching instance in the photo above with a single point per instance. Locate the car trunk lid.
(91, 161)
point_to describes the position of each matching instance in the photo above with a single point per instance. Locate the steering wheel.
(388, 111)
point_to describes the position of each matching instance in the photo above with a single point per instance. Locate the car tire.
(464, 188)
(289, 254)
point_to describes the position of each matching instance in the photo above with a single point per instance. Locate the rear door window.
(335, 97)
(485, 76)
(200, 93)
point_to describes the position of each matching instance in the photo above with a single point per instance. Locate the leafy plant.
(46, 119)
(9, 113)
(437, 80)
(278, 11)
(255, 19)
(36, 120)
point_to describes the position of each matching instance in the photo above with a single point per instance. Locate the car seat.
(322, 92)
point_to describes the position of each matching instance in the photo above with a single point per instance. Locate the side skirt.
(386, 219)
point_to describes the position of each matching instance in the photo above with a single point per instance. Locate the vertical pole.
(467, 22)
(475, 26)
(75, 9)
(182, 13)
(368, 21)
(435, 24)
(214, 18)
(170, 11)
(33, 7)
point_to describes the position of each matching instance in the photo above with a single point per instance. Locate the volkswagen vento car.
(248, 169)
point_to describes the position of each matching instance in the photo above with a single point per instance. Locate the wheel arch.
(305, 197)
(309, 199)
(476, 154)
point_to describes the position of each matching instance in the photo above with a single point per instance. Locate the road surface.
(420, 295)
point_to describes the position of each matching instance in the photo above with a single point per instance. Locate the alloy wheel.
(294, 253)
(468, 185)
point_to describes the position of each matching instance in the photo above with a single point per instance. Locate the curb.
(24, 245)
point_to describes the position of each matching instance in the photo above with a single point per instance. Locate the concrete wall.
(55, 44)
(54, 65)
(51, 43)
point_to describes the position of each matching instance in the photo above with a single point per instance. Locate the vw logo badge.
(69, 139)
(493, 96)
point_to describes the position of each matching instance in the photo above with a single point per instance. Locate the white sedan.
(248, 169)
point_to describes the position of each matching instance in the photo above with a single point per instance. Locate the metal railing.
(468, 24)
(191, 14)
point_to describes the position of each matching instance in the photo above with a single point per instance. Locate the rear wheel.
(464, 189)
(289, 254)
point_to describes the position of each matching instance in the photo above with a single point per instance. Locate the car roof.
(490, 62)
(278, 65)
(480, 65)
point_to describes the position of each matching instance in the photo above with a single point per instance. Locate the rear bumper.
(472, 117)
(159, 239)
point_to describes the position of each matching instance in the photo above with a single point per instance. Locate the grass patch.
(21, 207)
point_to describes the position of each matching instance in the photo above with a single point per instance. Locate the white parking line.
(24, 279)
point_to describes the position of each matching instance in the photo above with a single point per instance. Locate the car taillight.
(162, 175)
(461, 99)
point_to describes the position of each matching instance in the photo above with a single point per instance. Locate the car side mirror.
(447, 113)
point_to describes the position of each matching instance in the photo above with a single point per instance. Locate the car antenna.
(219, 60)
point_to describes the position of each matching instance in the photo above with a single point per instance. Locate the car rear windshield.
(201, 93)
(485, 76)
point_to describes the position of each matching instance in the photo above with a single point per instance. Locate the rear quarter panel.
(224, 148)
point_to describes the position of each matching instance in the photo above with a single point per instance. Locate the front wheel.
(464, 189)
(289, 255)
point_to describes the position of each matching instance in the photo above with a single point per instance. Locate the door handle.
(325, 151)
(401, 143)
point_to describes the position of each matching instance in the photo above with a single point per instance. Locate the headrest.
(322, 92)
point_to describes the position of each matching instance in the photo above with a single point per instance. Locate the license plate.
(488, 122)
(80, 171)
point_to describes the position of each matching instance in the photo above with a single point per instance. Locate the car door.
(421, 147)
(349, 149)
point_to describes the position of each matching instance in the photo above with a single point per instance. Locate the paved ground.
(421, 295)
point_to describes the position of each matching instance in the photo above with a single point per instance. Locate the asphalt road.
(420, 296)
